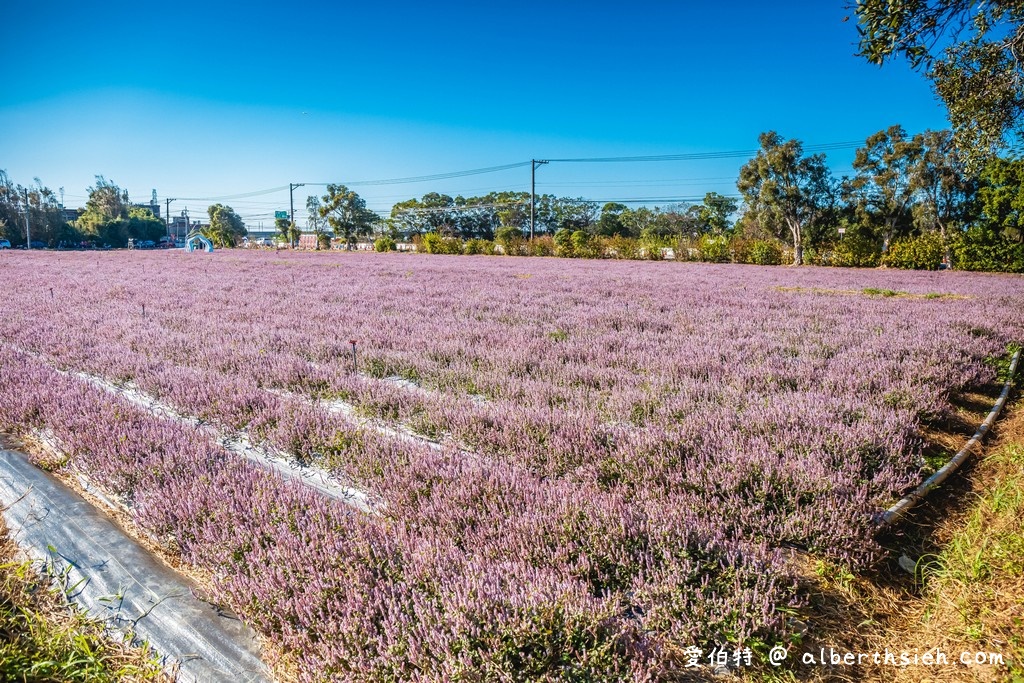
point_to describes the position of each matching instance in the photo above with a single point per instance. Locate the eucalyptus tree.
(785, 190)
(346, 213)
(944, 186)
(884, 187)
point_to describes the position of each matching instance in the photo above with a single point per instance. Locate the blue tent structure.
(198, 241)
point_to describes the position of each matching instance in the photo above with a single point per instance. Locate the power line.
(427, 178)
(696, 156)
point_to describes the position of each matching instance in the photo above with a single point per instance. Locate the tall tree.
(786, 190)
(226, 226)
(884, 185)
(106, 203)
(971, 50)
(945, 188)
(346, 213)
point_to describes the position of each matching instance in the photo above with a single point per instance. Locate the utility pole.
(291, 201)
(534, 163)
(167, 214)
(28, 235)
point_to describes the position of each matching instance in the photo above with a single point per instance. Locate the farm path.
(117, 580)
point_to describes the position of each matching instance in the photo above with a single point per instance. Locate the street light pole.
(534, 163)
(291, 202)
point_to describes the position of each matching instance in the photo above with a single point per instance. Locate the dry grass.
(44, 638)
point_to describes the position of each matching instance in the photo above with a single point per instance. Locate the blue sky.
(209, 99)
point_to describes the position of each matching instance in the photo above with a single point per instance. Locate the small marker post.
(143, 310)
(353, 343)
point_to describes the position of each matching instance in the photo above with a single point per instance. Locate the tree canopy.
(226, 227)
(971, 50)
(346, 213)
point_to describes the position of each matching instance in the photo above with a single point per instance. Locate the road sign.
(281, 214)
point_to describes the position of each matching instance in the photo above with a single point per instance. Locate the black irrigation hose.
(897, 511)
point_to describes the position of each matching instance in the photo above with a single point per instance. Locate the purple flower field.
(576, 469)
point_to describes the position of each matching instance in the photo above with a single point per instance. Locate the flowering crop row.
(649, 434)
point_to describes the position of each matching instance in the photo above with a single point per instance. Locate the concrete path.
(116, 579)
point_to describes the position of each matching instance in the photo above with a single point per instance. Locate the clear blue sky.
(211, 99)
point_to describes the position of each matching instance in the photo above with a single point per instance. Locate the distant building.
(70, 215)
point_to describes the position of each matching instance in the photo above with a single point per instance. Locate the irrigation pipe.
(897, 511)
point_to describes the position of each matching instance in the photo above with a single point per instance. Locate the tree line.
(912, 201)
(108, 219)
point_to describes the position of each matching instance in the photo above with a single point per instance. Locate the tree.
(715, 212)
(574, 214)
(106, 203)
(314, 222)
(346, 213)
(610, 222)
(226, 227)
(944, 186)
(45, 215)
(971, 51)
(1001, 197)
(638, 222)
(786, 190)
(884, 185)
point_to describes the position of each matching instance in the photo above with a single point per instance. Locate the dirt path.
(116, 579)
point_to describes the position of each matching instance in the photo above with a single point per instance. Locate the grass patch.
(975, 584)
(44, 638)
(871, 292)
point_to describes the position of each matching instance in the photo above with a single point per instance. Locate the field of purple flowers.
(574, 469)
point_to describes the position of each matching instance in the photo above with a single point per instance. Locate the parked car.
(36, 244)
(5, 244)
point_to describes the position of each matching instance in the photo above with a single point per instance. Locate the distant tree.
(972, 52)
(884, 186)
(574, 214)
(346, 213)
(786, 190)
(716, 211)
(638, 222)
(283, 228)
(610, 222)
(315, 223)
(106, 203)
(226, 227)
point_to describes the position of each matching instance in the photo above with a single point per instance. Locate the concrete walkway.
(117, 580)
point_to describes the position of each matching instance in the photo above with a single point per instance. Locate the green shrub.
(981, 249)
(479, 246)
(583, 246)
(434, 243)
(858, 249)
(563, 243)
(765, 253)
(713, 248)
(384, 244)
(916, 253)
(620, 247)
